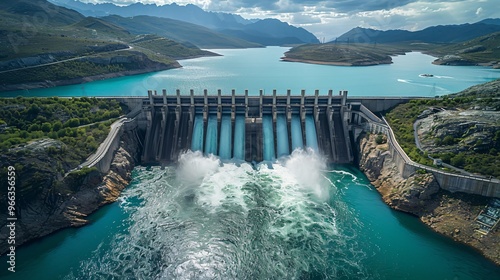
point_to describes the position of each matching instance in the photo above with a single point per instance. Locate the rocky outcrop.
(458, 131)
(453, 60)
(451, 214)
(33, 60)
(46, 215)
(458, 60)
(407, 195)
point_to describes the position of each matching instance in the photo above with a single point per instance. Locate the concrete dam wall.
(250, 128)
(259, 128)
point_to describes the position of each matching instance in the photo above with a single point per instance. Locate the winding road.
(60, 61)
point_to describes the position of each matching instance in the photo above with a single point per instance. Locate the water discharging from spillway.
(268, 138)
(211, 138)
(282, 136)
(311, 138)
(204, 220)
(225, 137)
(239, 138)
(296, 131)
(197, 138)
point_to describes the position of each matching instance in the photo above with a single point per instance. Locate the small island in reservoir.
(343, 54)
(481, 51)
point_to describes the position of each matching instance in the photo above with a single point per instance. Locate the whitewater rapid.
(207, 219)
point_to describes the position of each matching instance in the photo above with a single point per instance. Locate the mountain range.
(434, 34)
(265, 32)
(45, 45)
(43, 42)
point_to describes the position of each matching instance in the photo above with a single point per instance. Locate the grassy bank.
(464, 151)
(345, 54)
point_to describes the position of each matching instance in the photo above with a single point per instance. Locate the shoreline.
(449, 214)
(87, 79)
(333, 63)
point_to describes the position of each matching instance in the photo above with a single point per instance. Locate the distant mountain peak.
(266, 31)
(433, 34)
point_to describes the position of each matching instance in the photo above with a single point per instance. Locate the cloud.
(304, 19)
(350, 6)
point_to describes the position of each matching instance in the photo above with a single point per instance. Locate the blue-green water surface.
(294, 219)
(261, 68)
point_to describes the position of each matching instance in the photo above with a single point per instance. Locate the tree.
(61, 133)
(458, 160)
(33, 109)
(46, 127)
(380, 139)
(34, 127)
(57, 126)
(74, 122)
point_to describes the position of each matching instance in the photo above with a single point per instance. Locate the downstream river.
(292, 218)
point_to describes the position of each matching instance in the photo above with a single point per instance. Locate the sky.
(330, 19)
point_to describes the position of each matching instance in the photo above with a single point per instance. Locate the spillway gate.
(250, 128)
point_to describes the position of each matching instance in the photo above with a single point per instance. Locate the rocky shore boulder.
(409, 195)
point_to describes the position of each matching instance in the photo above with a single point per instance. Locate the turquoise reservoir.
(261, 68)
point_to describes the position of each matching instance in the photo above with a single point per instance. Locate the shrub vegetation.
(80, 123)
(402, 117)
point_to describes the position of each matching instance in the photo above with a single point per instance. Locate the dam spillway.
(250, 128)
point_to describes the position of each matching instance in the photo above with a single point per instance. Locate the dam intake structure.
(248, 128)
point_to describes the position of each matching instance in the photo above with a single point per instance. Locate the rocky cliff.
(451, 214)
(44, 216)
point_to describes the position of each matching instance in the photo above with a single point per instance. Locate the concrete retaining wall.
(447, 181)
(103, 162)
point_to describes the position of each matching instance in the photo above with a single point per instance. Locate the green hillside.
(66, 45)
(344, 54)
(37, 13)
(170, 48)
(484, 49)
(46, 137)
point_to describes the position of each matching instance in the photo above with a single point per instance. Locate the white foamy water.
(204, 219)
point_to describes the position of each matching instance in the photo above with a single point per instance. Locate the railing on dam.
(103, 157)
(446, 180)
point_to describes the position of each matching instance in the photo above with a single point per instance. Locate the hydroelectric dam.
(255, 128)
